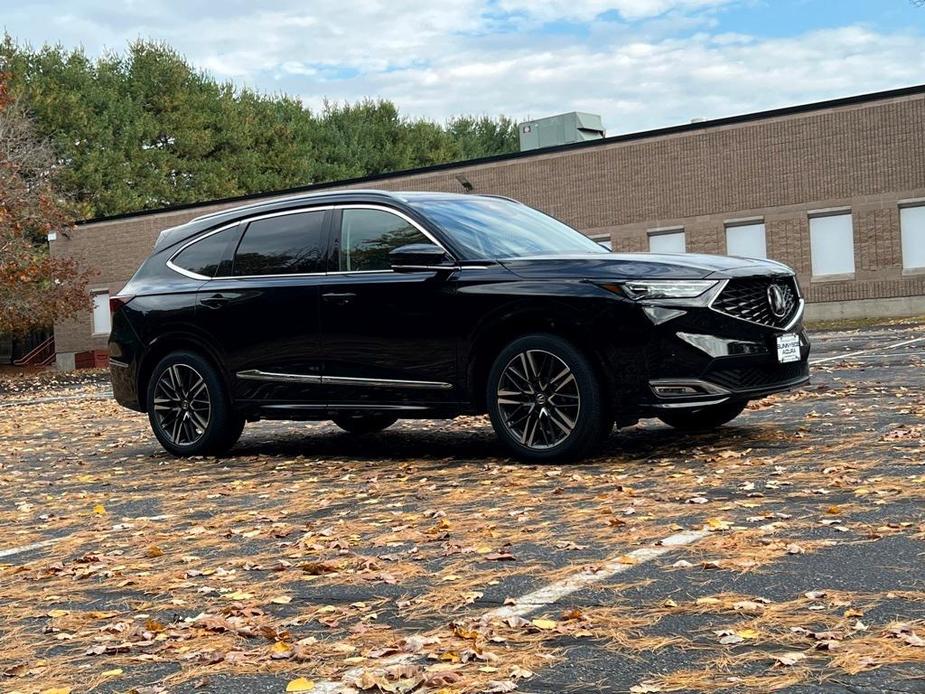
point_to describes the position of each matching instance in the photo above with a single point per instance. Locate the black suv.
(365, 306)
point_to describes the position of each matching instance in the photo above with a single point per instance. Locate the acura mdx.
(363, 307)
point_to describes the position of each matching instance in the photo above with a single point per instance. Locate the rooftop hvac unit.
(564, 129)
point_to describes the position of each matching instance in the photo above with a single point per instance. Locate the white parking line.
(28, 548)
(848, 355)
(538, 599)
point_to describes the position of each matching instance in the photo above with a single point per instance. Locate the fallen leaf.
(238, 595)
(790, 658)
(544, 624)
(300, 684)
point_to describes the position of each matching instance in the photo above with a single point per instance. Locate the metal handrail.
(39, 354)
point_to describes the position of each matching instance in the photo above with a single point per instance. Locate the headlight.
(660, 289)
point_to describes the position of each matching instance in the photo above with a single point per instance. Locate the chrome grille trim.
(745, 298)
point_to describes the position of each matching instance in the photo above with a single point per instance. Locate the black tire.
(365, 423)
(223, 426)
(703, 419)
(590, 419)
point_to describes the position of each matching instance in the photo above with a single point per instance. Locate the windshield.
(494, 228)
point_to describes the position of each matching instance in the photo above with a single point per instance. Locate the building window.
(673, 241)
(101, 317)
(912, 224)
(604, 241)
(746, 240)
(831, 244)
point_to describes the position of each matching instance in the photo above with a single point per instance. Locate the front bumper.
(706, 358)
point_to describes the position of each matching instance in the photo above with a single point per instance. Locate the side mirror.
(419, 256)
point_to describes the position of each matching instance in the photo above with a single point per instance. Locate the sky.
(641, 64)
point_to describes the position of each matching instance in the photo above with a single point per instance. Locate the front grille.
(749, 298)
(751, 377)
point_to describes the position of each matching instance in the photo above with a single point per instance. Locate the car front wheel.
(702, 419)
(544, 400)
(188, 407)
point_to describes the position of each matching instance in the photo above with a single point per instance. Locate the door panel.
(265, 316)
(392, 331)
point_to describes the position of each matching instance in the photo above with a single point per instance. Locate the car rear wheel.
(188, 407)
(702, 419)
(365, 423)
(544, 400)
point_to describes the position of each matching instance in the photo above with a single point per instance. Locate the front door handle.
(215, 301)
(339, 299)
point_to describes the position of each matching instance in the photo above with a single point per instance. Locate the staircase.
(42, 355)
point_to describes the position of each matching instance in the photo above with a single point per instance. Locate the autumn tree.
(35, 289)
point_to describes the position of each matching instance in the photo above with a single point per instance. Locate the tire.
(365, 423)
(561, 399)
(190, 383)
(705, 418)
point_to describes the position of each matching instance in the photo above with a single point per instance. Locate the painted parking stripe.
(548, 595)
(541, 598)
(28, 548)
(848, 355)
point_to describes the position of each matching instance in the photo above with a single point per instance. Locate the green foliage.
(144, 129)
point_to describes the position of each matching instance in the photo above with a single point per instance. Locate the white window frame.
(94, 293)
(741, 225)
(667, 231)
(816, 246)
(906, 236)
(600, 238)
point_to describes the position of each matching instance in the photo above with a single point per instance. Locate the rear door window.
(368, 236)
(205, 257)
(287, 244)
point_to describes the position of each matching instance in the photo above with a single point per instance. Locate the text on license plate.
(788, 348)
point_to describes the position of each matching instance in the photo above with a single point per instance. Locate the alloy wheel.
(182, 404)
(538, 399)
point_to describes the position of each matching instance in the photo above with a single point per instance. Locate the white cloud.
(585, 10)
(439, 59)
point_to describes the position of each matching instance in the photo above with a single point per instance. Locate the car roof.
(174, 235)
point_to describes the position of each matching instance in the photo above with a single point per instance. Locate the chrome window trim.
(244, 220)
(346, 206)
(258, 375)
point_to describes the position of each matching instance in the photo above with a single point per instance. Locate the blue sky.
(640, 63)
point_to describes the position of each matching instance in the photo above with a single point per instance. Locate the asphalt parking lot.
(783, 552)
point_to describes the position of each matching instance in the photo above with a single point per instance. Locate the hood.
(611, 266)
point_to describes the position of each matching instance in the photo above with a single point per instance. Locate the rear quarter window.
(204, 257)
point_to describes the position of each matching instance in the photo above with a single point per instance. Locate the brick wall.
(867, 157)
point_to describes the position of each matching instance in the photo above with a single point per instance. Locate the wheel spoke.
(513, 397)
(561, 420)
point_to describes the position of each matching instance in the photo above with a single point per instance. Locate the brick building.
(834, 189)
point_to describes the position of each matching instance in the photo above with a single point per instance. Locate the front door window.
(368, 236)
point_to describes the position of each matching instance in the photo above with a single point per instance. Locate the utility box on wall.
(564, 129)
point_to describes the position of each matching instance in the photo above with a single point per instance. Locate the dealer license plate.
(788, 348)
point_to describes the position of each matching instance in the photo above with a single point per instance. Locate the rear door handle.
(215, 301)
(339, 299)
